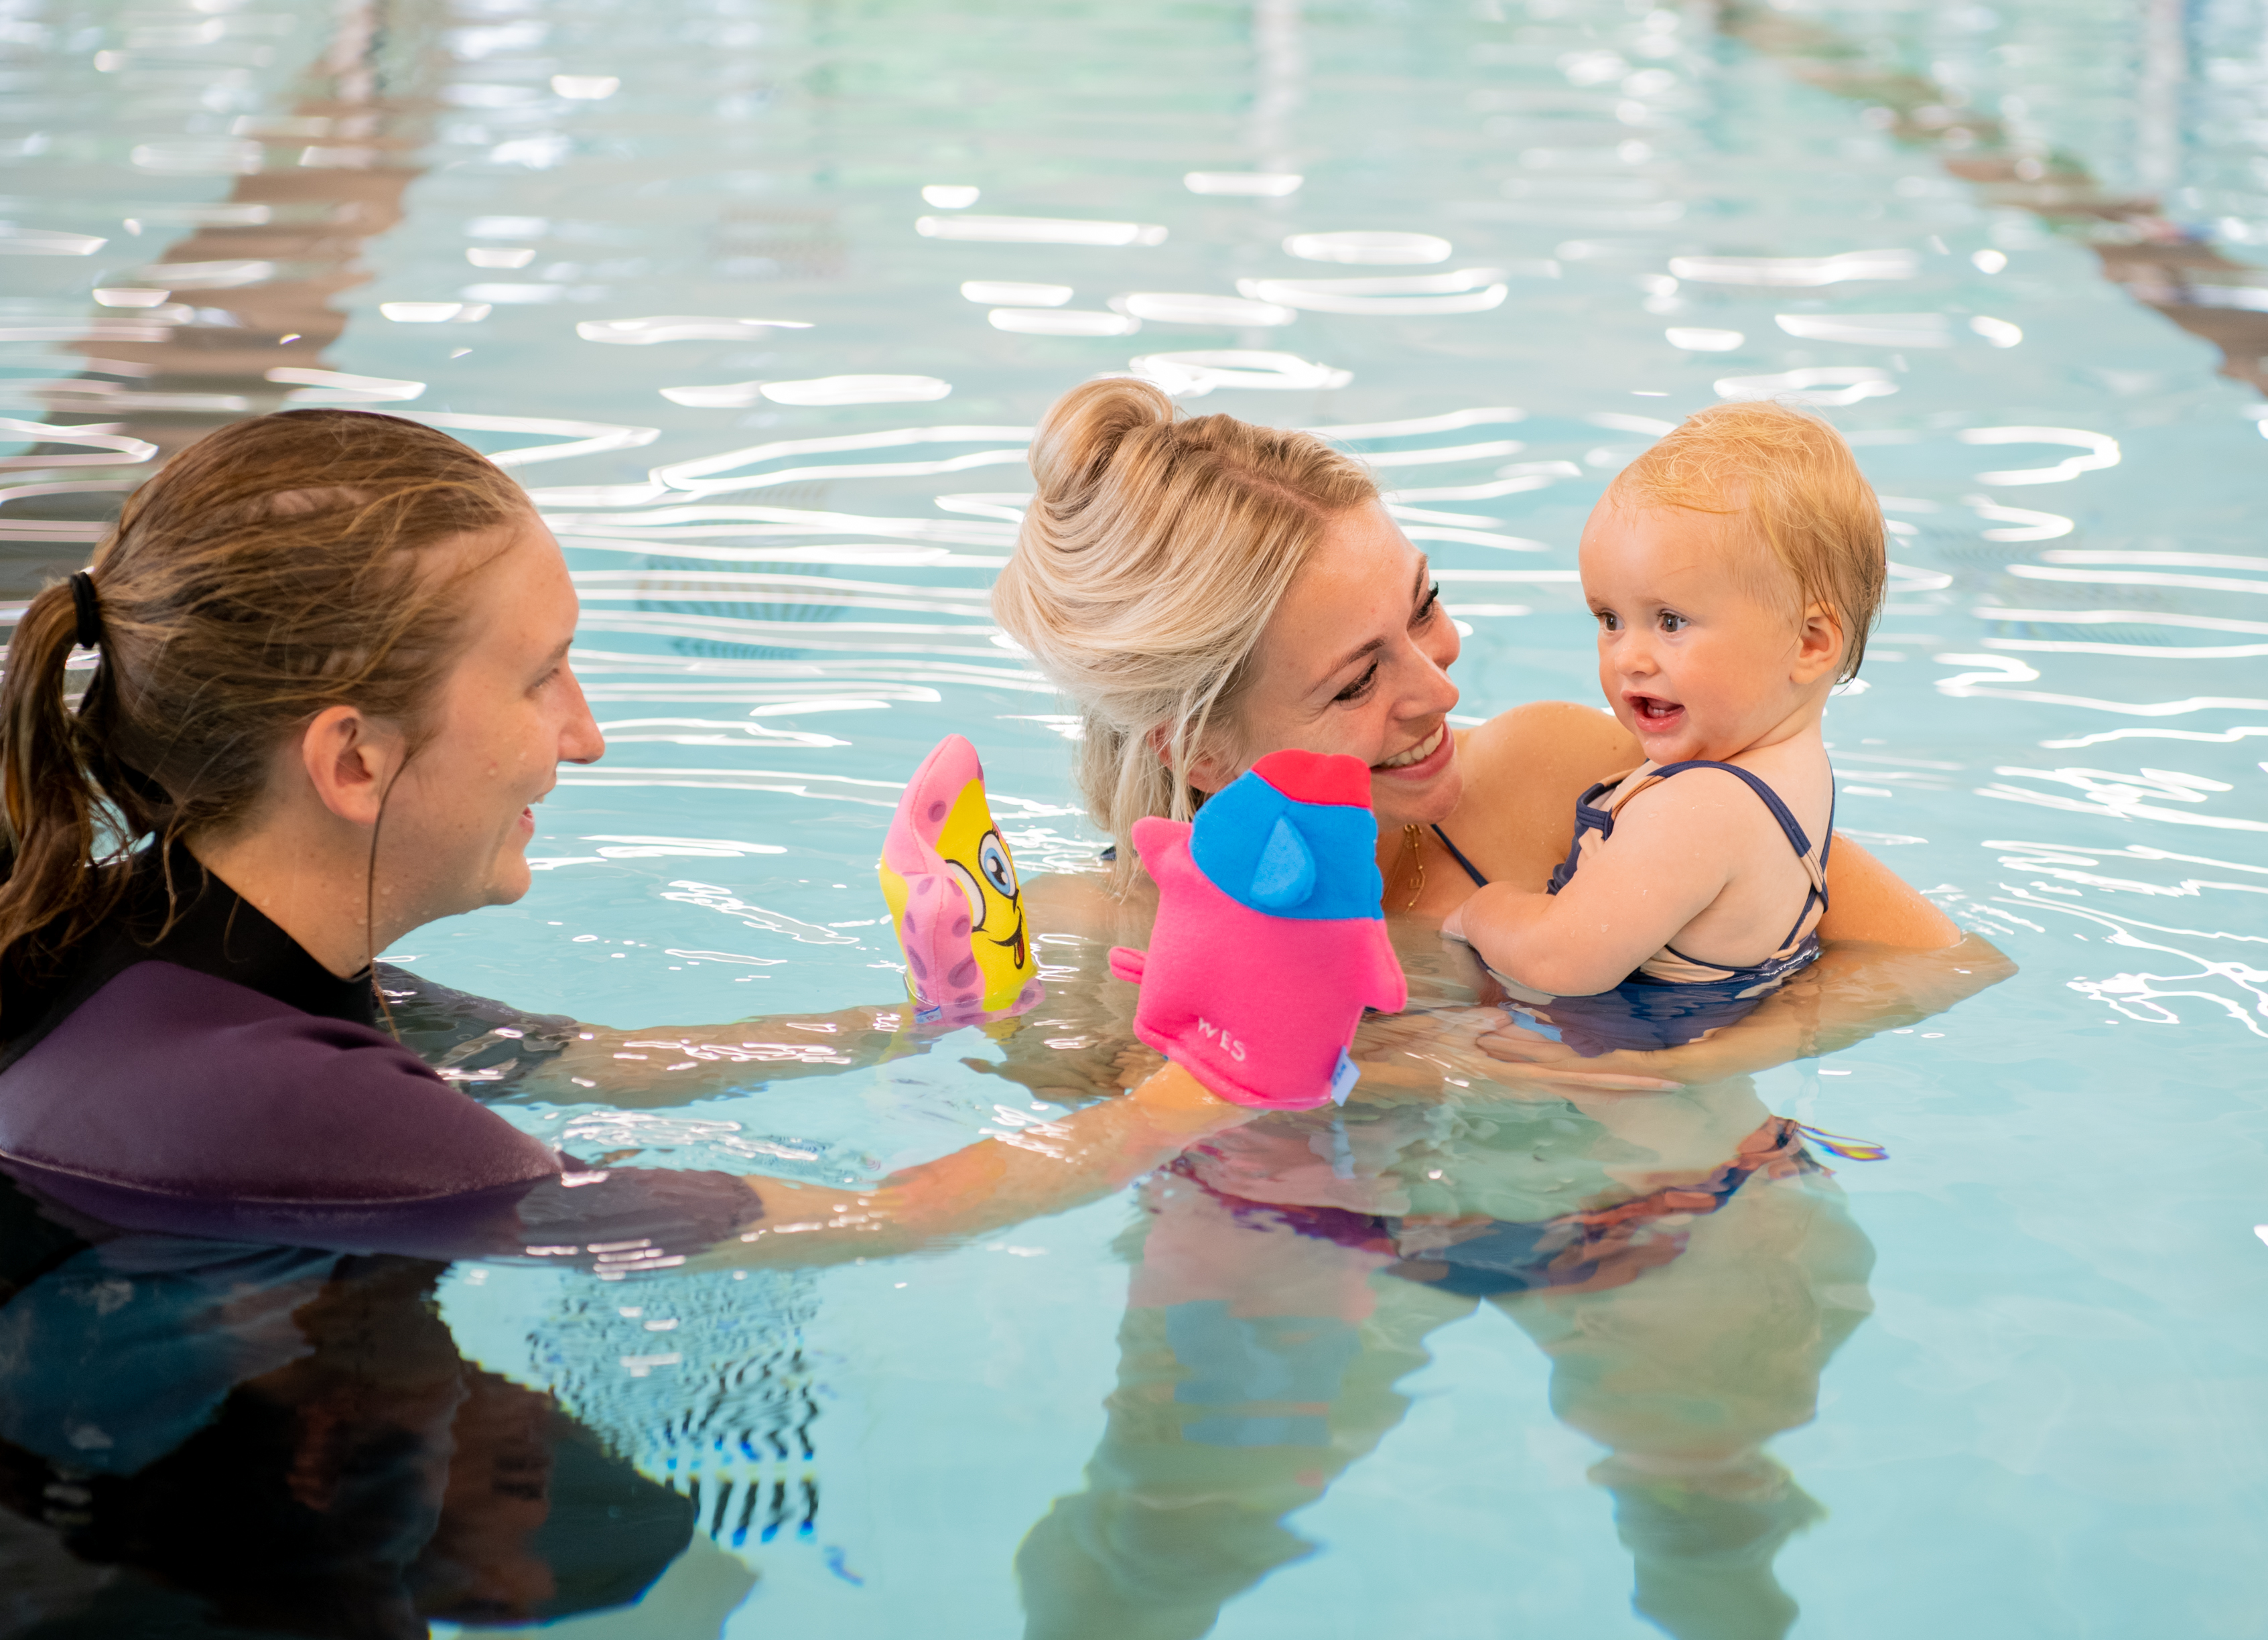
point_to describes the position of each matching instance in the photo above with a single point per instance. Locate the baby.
(1734, 569)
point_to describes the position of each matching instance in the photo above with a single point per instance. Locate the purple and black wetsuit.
(212, 1079)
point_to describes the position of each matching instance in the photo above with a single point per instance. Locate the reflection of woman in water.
(1685, 1264)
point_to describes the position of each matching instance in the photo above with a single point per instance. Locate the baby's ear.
(1820, 642)
(1285, 875)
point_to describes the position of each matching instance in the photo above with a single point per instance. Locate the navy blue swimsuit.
(1671, 998)
(212, 1078)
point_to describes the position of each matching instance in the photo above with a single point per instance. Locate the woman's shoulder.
(1545, 747)
(1523, 770)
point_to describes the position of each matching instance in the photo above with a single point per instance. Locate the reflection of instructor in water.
(1687, 1267)
(204, 1437)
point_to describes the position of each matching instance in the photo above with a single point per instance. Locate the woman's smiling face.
(458, 820)
(1355, 661)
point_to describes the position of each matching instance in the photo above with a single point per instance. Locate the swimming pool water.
(2033, 1335)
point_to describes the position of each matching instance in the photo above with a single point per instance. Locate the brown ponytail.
(272, 570)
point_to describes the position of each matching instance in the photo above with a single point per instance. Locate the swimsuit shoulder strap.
(1608, 786)
(1590, 820)
(1770, 800)
(1458, 855)
(1814, 863)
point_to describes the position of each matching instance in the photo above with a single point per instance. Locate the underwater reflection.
(239, 299)
(1686, 1263)
(203, 1437)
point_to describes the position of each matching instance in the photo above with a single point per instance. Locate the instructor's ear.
(350, 759)
(1819, 644)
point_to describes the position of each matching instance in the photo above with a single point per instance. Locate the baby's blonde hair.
(1793, 475)
(1147, 568)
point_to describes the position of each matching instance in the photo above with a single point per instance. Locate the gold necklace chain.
(1418, 862)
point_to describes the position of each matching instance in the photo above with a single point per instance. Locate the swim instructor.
(331, 679)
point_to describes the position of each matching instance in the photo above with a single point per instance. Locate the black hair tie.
(90, 613)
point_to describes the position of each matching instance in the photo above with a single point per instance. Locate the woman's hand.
(1849, 994)
(1421, 1051)
(1513, 1044)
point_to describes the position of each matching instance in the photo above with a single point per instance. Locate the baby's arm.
(1674, 850)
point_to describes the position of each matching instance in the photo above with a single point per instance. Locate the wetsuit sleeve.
(613, 1222)
(619, 1221)
(177, 1083)
(475, 1042)
(174, 1101)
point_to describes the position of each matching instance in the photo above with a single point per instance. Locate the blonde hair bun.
(1084, 430)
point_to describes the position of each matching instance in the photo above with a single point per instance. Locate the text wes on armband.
(954, 896)
(1270, 942)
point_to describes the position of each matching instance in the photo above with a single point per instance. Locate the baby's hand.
(1488, 916)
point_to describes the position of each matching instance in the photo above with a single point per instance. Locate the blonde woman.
(1204, 591)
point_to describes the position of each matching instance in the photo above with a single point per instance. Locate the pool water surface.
(762, 299)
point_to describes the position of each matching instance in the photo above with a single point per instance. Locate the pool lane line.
(358, 127)
(2159, 264)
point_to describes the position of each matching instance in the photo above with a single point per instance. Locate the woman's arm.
(1071, 1043)
(1867, 901)
(1852, 992)
(505, 1054)
(1045, 1167)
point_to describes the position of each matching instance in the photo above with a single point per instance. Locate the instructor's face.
(460, 818)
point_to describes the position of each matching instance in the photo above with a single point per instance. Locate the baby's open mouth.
(1417, 754)
(1652, 713)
